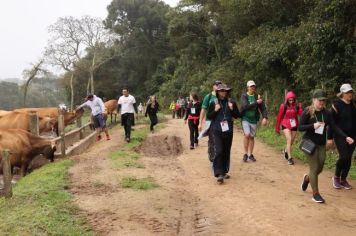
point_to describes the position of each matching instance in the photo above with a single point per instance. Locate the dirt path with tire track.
(261, 198)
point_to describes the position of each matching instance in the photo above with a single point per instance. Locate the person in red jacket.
(288, 118)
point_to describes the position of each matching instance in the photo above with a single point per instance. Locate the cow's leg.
(24, 167)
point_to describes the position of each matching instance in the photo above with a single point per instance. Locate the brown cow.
(24, 146)
(2, 112)
(111, 108)
(20, 120)
(52, 112)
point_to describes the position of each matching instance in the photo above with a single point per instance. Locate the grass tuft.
(140, 184)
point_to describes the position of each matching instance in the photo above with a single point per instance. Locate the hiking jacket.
(288, 113)
(197, 108)
(152, 110)
(260, 108)
(223, 114)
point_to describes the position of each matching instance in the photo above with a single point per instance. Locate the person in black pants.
(151, 109)
(221, 113)
(127, 108)
(192, 114)
(344, 113)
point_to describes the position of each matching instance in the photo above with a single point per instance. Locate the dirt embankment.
(262, 198)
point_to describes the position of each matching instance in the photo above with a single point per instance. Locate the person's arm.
(245, 105)
(85, 104)
(279, 119)
(235, 111)
(118, 105)
(187, 113)
(334, 116)
(135, 107)
(304, 125)
(263, 110)
(212, 112)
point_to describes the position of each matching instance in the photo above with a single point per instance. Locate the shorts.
(292, 129)
(99, 121)
(248, 128)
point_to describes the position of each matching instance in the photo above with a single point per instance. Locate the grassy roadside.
(268, 136)
(42, 206)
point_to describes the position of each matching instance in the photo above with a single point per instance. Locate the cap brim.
(321, 98)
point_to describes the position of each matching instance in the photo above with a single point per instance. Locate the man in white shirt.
(97, 111)
(127, 107)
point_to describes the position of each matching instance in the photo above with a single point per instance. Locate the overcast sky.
(24, 23)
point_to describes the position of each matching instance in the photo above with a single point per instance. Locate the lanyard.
(224, 110)
(322, 117)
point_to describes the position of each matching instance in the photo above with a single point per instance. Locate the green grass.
(140, 184)
(42, 206)
(125, 159)
(268, 136)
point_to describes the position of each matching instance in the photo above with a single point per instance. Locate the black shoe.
(317, 198)
(128, 139)
(290, 161)
(252, 158)
(191, 147)
(245, 157)
(305, 182)
(227, 176)
(285, 154)
(220, 179)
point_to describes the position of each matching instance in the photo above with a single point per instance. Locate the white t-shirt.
(127, 104)
(97, 106)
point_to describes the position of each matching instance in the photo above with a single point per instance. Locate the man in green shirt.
(251, 107)
(209, 98)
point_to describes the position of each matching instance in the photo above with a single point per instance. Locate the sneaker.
(227, 176)
(108, 137)
(191, 147)
(252, 158)
(336, 182)
(220, 179)
(345, 184)
(245, 158)
(305, 182)
(128, 139)
(317, 198)
(290, 161)
(285, 154)
(98, 138)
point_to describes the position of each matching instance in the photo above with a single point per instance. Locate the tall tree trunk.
(88, 86)
(71, 92)
(92, 82)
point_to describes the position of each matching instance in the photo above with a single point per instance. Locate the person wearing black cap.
(203, 119)
(221, 113)
(344, 113)
(314, 121)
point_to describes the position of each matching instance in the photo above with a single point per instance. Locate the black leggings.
(345, 150)
(194, 133)
(154, 120)
(222, 148)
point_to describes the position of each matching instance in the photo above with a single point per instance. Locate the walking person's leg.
(316, 164)
(289, 141)
(343, 164)
(130, 120)
(251, 145)
(218, 163)
(246, 131)
(196, 133)
(227, 153)
(191, 133)
(345, 172)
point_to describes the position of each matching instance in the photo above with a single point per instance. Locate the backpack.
(336, 111)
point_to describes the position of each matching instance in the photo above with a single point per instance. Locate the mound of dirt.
(161, 146)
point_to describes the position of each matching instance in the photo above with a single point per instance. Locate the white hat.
(345, 88)
(250, 83)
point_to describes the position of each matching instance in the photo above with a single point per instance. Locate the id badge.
(224, 126)
(192, 110)
(293, 123)
(320, 130)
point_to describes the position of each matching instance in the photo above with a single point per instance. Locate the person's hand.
(317, 125)
(278, 132)
(217, 107)
(230, 105)
(200, 127)
(349, 140)
(259, 101)
(264, 122)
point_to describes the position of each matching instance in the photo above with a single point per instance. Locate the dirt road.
(261, 198)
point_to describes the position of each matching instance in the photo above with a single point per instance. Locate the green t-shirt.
(250, 115)
(209, 98)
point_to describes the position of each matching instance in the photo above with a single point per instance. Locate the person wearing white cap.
(251, 107)
(344, 113)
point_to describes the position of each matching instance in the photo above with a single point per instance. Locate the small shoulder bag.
(307, 146)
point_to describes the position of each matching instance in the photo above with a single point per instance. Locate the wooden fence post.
(34, 123)
(61, 131)
(79, 125)
(7, 172)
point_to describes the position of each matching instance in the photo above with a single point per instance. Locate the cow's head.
(49, 151)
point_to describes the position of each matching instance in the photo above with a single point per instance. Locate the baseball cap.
(223, 87)
(251, 83)
(319, 94)
(217, 82)
(346, 88)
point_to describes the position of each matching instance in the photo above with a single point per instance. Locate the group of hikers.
(215, 114)
(214, 117)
